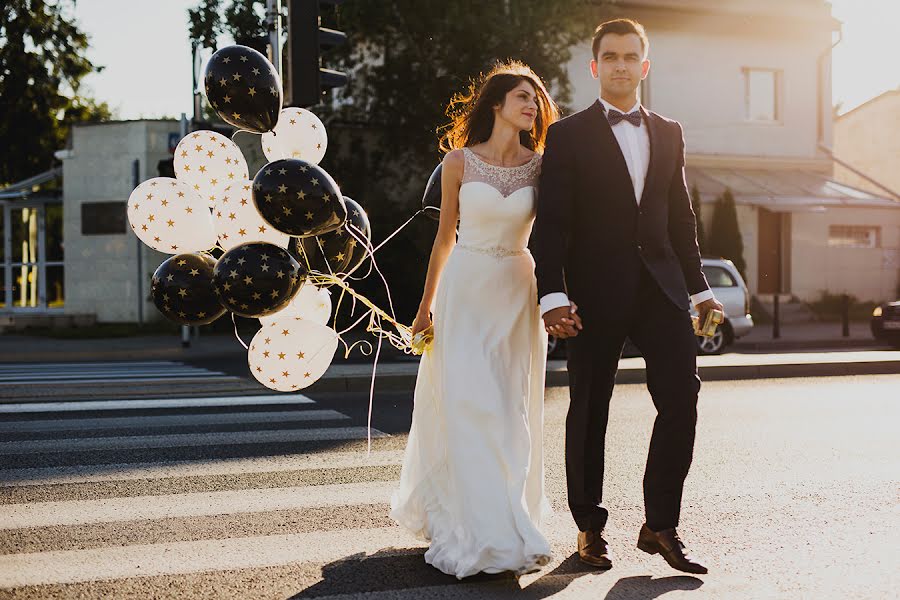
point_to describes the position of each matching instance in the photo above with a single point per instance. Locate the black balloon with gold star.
(243, 88)
(256, 279)
(298, 198)
(182, 289)
(339, 251)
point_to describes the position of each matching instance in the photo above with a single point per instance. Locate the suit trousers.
(665, 337)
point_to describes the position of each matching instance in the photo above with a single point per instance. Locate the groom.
(615, 233)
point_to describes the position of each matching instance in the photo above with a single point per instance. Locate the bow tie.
(615, 116)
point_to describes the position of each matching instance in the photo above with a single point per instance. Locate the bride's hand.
(422, 322)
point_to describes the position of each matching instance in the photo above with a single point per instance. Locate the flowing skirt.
(472, 482)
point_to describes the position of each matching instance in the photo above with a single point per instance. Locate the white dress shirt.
(634, 142)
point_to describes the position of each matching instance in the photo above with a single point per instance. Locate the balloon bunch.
(286, 235)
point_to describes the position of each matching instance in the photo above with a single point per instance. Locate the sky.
(147, 64)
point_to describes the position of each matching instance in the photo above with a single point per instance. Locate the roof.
(32, 185)
(869, 102)
(815, 11)
(782, 190)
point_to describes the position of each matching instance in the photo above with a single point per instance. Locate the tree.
(725, 237)
(242, 20)
(42, 63)
(697, 205)
(405, 59)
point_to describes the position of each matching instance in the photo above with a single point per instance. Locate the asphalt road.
(793, 494)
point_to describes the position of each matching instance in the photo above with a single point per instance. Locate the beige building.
(750, 82)
(867, 144)
(68, 255)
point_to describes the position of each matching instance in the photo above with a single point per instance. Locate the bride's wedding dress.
(473, 479)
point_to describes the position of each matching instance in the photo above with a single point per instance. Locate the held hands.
(563, 322)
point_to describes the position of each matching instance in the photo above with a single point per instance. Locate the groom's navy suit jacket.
(591, 236)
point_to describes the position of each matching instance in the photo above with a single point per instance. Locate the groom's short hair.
(620, 27)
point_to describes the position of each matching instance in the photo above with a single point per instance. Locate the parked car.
(727, 284)
(729, 287)
(886, 323)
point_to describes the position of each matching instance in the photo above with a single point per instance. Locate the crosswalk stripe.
(130, 378)
(55, 377)
(200, 468)
(186, 439)
(146, 560)
(195, 504)
(171, 421)
(36, 407)
(106, 369)
(61, 365)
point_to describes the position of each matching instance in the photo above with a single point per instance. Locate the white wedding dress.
(472, 482)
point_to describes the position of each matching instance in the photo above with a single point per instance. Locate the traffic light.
(305, 79)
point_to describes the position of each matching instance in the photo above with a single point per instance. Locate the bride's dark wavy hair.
(472, 112)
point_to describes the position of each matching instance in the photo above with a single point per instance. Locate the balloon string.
(372, 398)
(400, 340)
(236, 334)
(234, 135)
(360, 236)
(357, 322)
(388, 238)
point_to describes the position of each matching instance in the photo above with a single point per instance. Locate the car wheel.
(712, 345)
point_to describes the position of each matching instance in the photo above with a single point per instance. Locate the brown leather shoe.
(667, 543)
(593, 549)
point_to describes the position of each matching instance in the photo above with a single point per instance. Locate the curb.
(560, 377)
(820, 345)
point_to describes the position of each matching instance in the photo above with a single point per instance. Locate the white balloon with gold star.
(169, 216)
(238, 220)
(209, 162)
(290, 353)
(310, 303)
(299, 134)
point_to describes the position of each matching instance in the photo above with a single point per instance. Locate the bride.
(472, 482)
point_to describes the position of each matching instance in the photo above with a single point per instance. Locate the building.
(750, 82)
(68, 255)
(31, 247)
(866, 140)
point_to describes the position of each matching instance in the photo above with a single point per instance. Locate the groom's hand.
(707, 305)
(563, 322)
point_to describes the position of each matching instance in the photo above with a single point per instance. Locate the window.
(762, 94)
(717, 277)
(854, 236)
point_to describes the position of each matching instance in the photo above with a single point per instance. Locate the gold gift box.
(714, 318)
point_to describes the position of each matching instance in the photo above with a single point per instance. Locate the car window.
(719, 277)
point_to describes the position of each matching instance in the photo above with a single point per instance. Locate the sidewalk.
(805, 336)
(806, 350)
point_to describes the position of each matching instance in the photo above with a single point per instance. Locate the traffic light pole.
(273, 21)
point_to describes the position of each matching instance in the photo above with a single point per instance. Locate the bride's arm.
(451, 176)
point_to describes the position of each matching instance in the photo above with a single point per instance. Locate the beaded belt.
(495, 251)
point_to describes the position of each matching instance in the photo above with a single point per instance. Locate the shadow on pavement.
(405, 569)
(645, 587)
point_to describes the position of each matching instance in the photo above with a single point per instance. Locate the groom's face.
(620, 64)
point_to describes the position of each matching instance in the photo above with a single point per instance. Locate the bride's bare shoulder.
(454, 161)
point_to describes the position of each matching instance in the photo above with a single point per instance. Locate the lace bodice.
(496, 206)
(505, 180)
